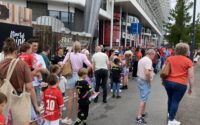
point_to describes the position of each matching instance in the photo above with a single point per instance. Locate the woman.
(77, 60)
(21, 75)
(181, 72)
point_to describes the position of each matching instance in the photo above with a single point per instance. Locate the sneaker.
(111, 90)
(145, 115)
(64, 108)
(104, 101)
(140, 120)
(120, 90)
(174, 122)
(118, 97)
(67, 121)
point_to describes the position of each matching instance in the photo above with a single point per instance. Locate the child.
(55, 69)
(84, 91)
(91, 78)
(125, 65)
(3, 101)
(53, 101)
(116, 77)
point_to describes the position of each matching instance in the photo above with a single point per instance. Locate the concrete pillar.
(91, 15)
(111, 25)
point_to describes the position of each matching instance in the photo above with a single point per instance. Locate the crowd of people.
(42, 77)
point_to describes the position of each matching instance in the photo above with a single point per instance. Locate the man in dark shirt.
(59, 57)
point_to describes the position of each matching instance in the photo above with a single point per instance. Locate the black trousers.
(135, 68)
(82, 113)
(101, 76)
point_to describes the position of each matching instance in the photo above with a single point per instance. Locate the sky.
(173, 3)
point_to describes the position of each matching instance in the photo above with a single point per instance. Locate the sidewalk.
(189, 110)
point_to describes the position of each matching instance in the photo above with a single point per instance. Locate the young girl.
(3, 101)
(55, 69)
(53, 101)
(125, 65)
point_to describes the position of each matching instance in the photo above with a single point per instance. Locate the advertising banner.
(17, 32)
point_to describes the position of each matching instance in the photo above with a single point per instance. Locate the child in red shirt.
(3, 101)
(53, 101)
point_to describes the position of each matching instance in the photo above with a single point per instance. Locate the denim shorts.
(72, 81)
(144, 89)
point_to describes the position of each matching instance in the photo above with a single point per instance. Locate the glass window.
(64, 16)
(54, 13)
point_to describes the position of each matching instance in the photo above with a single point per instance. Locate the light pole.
(111, 25)
(193, 32)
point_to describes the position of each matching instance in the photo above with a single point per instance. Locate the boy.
(53, 101)
(116, 77)
(84, 91)
(3, 101)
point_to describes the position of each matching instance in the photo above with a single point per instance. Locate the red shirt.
(179, 69)
(2, 120)
(52, 99)
(28, 58)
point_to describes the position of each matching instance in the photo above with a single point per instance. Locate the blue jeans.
(115, 88)
(175, 92)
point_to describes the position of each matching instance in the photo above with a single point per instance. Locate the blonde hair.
(76, 47)
(82, 71)
(182, 49)
(150, 52)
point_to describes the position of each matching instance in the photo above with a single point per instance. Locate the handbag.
(67, 68)
(165, 70)
(19, 106)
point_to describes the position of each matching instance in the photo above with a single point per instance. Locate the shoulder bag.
(165, 70)
(67, 68)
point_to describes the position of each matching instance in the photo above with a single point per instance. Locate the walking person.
(59, 57)
(77, 60)
(100, 63)
(145, 76)
(181, 73)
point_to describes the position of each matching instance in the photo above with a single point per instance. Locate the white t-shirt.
(143, 64)
(62, 83)
(38, 63)
(100, 59)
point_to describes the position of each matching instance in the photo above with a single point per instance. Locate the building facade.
(146, 16)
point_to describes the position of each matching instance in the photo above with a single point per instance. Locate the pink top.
(77, 60)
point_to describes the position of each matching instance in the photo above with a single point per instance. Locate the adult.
(86, 51)
(40, 65)
(100, 64)
(77, 59)
(21, 75)
(181, 73)
(58, 59)
(45, 53)
(145, 76)
(138, 56)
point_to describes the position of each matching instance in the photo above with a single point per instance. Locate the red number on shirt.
(50, 105)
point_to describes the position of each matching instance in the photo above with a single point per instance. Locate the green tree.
(197, 40)
(179, 27)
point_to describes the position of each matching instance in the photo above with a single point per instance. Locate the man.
(100, 64)
(44, 54)
(40, 65)
(59, 56)
(145, 76)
